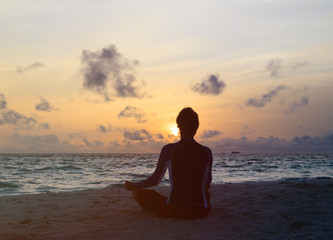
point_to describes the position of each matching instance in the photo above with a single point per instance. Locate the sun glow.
(174, 130)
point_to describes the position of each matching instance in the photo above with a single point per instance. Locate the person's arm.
(156, 177)
(210, 164)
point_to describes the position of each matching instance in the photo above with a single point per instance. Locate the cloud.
(297, 104)
(107, 69)
(274, 67)
(247, 130)
(3, 102)
(274, 144)
(38, 144)
(104, 129)
(265, 98)
(159, 136)
(210, 133)
(326, 140)
(210, 86)
(137, 135)
(75, 135)
(95, 144)
(44, 126)
(142, 146)
(36, 139)
(44, 105)
(299, 64)
(30, 67)
(12, 118)
(134, 112)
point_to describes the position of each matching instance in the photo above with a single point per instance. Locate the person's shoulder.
(203, 146)
(207, 149)
(168, 147)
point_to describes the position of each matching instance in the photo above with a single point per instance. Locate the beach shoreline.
(290, 209)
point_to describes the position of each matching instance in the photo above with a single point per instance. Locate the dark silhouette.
(190, 166)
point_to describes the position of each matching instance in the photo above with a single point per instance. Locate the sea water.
(42, 173)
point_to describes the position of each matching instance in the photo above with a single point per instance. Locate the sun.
(174, 130)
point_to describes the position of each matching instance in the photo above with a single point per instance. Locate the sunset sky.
(111, 76)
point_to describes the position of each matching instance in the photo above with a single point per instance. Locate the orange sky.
(111, 76)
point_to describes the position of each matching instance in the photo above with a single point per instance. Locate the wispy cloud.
(210, 86)
(3, 102)
(29, 67)
(107, 69)
(104, 129)
(131, 111)
(274, 67)
(247, 130)
(95, 144)
(274, 144)
(326, 140)
(75, 135)
(159, 136)
(299, 65)
(44, 126)
(297, 104)
(265, 98)
(137, 135)
(210, 133)
(44, 105)
(11, 117)
(39, 143)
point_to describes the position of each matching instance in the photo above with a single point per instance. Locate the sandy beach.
(293, 209)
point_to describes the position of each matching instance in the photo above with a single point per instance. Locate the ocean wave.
(66, 172)
(69, 167)
(8, 185)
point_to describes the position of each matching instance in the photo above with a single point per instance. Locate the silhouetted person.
(189, 165)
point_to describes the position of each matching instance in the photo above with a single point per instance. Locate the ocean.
(44, 173)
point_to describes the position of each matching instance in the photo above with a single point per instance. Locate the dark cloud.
(210, 133)
(104, 129)
(44, 126)
(274, 67)
(12, 117)
(3, 102)
(159, 136)
(36, 139)
(30, 67)
(210, 86)
(297, 104)
(39, 144)
(141, 146)
(44, 105)
(134, 112)
(75, 135)
(265, 98)
(95, 144)
(273, 144)
(137, 135)
(326, 140)
(107, 69)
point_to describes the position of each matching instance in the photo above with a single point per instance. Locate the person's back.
(189, 172)
(189, 165)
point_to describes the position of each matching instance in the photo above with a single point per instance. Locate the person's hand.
(129, 186)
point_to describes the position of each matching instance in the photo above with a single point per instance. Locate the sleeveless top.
(189, 164)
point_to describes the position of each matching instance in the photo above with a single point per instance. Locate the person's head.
(188, 122)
